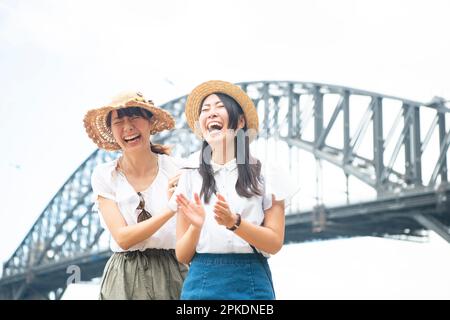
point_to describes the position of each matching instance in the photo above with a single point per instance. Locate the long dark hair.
(249, 181)
(141, 112)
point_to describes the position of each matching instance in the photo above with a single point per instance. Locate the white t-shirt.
(112, 184)
(215, 238)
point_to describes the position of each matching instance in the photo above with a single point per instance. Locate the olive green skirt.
(153, 274)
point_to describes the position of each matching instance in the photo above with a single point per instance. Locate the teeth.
(218, 126)
(131, 137)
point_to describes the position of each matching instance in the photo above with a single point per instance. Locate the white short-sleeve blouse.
(110, 183)
(215, 238)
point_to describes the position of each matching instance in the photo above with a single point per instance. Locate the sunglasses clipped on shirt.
(144, 214)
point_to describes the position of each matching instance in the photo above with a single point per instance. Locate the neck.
(139, 162)
(223, 152)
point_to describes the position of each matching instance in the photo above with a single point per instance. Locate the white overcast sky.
(60, 58)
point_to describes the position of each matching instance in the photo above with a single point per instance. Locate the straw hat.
(200, 92)
(98, 131)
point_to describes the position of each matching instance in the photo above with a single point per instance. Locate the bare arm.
(187, 239)
(269, 237)
(127, 236)
(190, 221)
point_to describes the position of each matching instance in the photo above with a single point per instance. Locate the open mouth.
(132, 138)
(214, 126)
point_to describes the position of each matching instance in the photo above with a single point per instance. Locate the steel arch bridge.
(397, 147)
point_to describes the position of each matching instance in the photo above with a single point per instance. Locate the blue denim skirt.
(230, 276)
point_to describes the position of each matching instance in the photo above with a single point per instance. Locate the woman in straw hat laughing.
(230, 218)
(131, 194)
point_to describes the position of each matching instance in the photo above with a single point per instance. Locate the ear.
(241, 122)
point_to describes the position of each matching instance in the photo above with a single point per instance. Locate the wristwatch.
(237, 223)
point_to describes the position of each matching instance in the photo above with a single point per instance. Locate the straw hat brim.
(196, 97)
(98, 131)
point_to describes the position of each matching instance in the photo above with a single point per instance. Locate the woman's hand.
(223, 215)
(194, 212)
(173, 182)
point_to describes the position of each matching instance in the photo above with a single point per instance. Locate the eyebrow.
(208, 104)
(120, 118)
